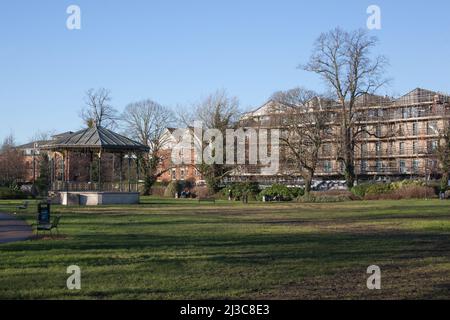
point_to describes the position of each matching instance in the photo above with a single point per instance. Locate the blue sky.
(176, 52)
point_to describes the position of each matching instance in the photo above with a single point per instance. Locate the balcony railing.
(407, 152)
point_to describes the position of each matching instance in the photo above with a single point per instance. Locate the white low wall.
(98, 198)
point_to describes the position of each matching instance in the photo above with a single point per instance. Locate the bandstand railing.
(63, 186)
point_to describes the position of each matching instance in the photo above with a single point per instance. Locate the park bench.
(45, 226)
(206, 199)
(23, 206)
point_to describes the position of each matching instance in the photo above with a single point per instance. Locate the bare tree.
(221, 112)
(344, 61)
(147, 121)
(443, 155)
(42, 136)
(218, 111)
(305, 131)
(12, 162)
(98, 110)
(9, 142)
(294, 97)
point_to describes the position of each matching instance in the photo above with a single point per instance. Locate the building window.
(174, 174)
(405, 113)
(379, 166)
(402, 166)
(432, 165)
(364, 150)
(363, 166)
(415, 129)
(416, 164)
(402, 148)
(327, 167)
(378, 131)
(432, 146)
(415, 151)
(326, 150)
(391, 147)
(182, 174)
(400, 130)
(432, 128)
(378, 148)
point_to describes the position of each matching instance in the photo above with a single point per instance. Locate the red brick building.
(180, 172)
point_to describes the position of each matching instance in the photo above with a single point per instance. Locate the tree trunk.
(350, 175)
(444, 181)
(308, 183)
(148, 184)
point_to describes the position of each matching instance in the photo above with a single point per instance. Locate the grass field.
(167, 249)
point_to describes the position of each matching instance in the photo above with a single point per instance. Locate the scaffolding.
(401, 138)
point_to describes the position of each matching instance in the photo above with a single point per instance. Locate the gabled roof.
(270, 107)
(372, 99)
(420, 95)
(96, 138)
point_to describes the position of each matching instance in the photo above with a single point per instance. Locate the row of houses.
(414, 122)
(399, 141)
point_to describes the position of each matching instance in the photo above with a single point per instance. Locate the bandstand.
(94, 166)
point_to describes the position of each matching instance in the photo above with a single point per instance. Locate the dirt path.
(13, 229)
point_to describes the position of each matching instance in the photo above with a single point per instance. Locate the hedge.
(282, 192)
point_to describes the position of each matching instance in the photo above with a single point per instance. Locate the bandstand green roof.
(96, 138)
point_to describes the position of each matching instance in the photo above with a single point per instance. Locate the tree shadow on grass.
(251, 249)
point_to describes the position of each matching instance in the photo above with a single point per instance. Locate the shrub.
(360, 190)
(238, 190)
(297, 192)
(282, 193)
(379, 188)
(415, 192)
(158, 191)
(406, 189)
(200, 192)
(406, 183)
(363, 190)
(312, 198)
(404, 193)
